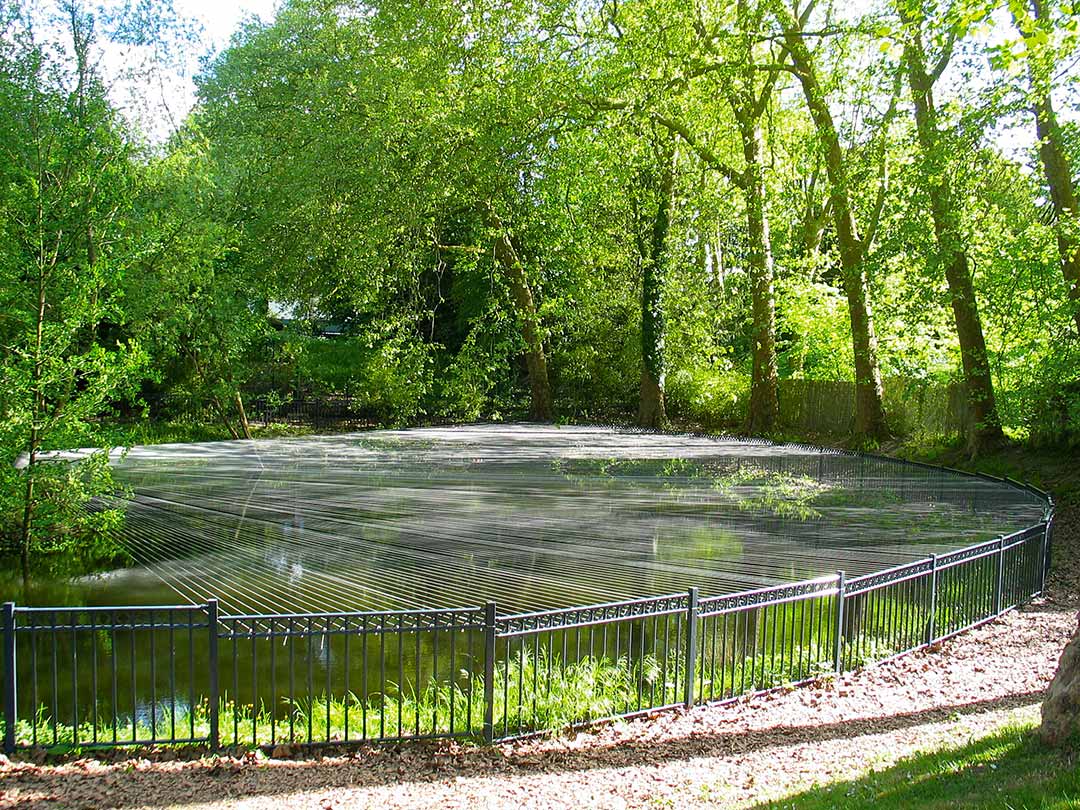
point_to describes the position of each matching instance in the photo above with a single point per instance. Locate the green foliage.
(65, 184)
(357, 167)
(811, 323)
(712, 398)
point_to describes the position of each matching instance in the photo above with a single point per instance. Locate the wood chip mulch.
(736, 755)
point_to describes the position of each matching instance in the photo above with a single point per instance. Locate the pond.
(528, 517)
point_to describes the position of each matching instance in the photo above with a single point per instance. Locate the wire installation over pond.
(493, 582)
(531, 517)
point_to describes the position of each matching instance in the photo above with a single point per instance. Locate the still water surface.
(530, 517)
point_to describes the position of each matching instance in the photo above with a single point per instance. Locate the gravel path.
(735, 755)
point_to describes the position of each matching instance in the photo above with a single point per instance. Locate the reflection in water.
(528, 516)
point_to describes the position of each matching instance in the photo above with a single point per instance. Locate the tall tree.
(748, 91)
(66, 180)
(1043, 60)
(653, 250)
(716, 56)
(870, 423)
(540, 405)
(923, 71)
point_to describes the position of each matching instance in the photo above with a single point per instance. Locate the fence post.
(838, 652)
(1047, 546)
(9, 677)
(999, 581)
(214, 697)
(931, 620)
(691, 646)
(489, 673)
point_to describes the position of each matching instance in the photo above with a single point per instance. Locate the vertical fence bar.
(1047, 546)
(489, 672)
(999, 575)
(212, 648)
(931, 619)
(9, 677)
(691, 646)
(838, 651)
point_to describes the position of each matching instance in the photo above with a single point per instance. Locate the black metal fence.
(85, 677)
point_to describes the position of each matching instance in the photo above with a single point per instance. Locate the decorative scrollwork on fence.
(966, 554)
(307, 625)
(903, 573)
(765, 596)
(579, 617)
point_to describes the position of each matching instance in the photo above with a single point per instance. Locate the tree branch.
(943, 60)
(702, 151)
(804, 16)
(883, 171)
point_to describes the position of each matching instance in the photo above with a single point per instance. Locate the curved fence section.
(171, 675)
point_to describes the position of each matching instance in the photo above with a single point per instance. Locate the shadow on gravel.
(208, 780)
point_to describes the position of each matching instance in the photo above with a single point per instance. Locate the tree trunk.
(1062, 196)
(536, 362)
(1061, 706)
(37, 414)
(27, 522)
(223, 415)
(870, 421)
(244, 426)
(985, 426)
(764, 399)
(651, 412)
(1059, 176)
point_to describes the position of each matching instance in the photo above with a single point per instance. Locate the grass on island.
(1008, 769)
(1053, 469)
(174, 431)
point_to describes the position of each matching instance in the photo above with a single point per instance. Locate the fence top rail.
(370, 614)
(971, 553)
(560, 621)
(111, 609)
(916, 567)
(772, 594)
(661, 602)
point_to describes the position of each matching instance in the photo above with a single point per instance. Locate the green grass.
(530, 694)
(1009, 769)
(534, 690)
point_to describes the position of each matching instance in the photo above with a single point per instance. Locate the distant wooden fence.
(913, 407)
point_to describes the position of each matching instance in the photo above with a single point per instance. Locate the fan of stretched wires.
(531, 517)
